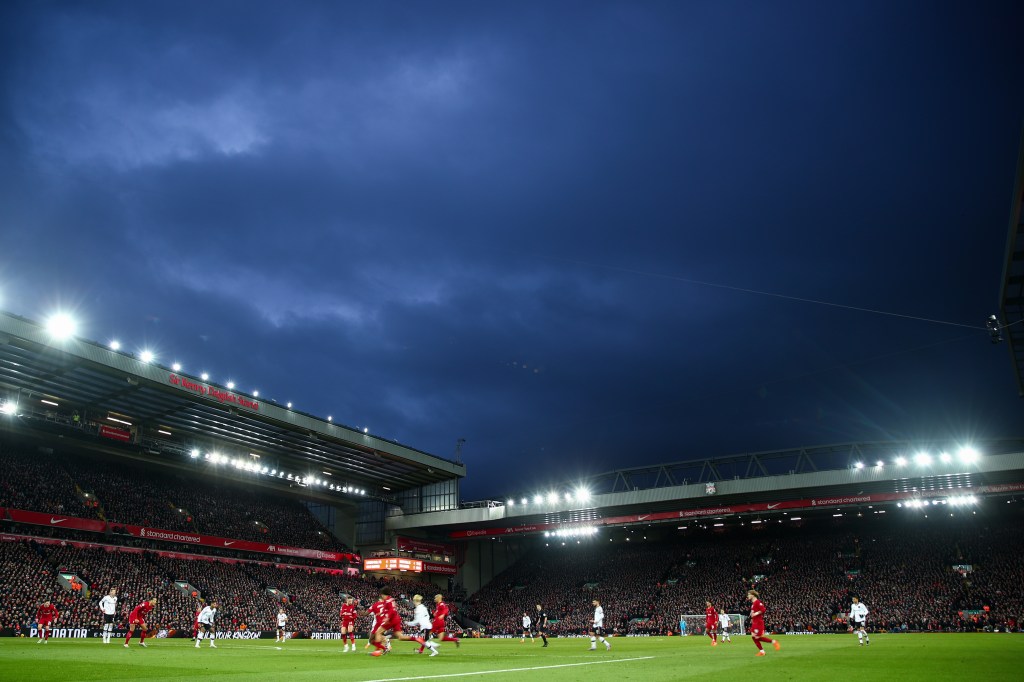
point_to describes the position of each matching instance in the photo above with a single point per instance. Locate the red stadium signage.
(115, 433)
(57, 520)
(443, 569)
(415, 545)
(97, 526)
(187, 384)
(725, 510)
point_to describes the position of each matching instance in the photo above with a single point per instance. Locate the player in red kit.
(138, 617)
(711, 623)
(441, 613)
(195, 625)
(757, 610)
(46, 615)
(348, 623)
(393, 621)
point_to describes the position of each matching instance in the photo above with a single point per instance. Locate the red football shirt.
(140, 611)
(440, 611)
(757, 622)
(348, 612)
(710, 617)
(378, 610)
(47, 613)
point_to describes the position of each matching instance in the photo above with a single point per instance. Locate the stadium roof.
(178, 412)
(1012, 296)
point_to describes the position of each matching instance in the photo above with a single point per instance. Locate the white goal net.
(695, 624)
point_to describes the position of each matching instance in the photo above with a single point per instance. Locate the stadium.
(592, 233)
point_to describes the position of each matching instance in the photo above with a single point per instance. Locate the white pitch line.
(511, 670)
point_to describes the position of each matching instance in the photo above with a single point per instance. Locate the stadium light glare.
(901, 461)
(176, 366)
(204, 376)
(61, 326)
(289, 406)
(537, 499)
(194, 454)
(524, 501)
(858, 465)
(582, 494)
(330, 418)
(945, 457)
(231, 385)
(552, 497)
(879, 464)
(510, 503)
(968, 455)
(922, 459)
(115, 345)
(8, 407)
(147, 356)
(568, 497)
(263, 470)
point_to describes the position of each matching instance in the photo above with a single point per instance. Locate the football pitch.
(653, 659)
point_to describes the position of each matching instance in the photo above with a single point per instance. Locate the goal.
(695, 623)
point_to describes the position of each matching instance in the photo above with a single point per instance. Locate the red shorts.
(757, 631)
(395, 624)
(437, 626)
(348, 623)
(710, 626)
(45, 623)
(137, 621)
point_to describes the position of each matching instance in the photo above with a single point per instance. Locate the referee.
(540, 624)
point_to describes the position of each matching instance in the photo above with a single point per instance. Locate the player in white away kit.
(282, 621)
(723, 626)
(108, 605)
(597, 629)
(421, 619)
(527, 632)
(858, 619)
(206, 619)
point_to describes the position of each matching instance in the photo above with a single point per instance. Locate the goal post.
(695, 623)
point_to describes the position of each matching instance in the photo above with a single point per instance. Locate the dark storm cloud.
(485, 221)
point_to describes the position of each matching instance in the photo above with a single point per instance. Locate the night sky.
(537, 226)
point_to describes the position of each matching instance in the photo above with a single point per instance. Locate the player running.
(437, 627)
(390, 620)
(108, 607)
(711, 623)
(723, 627)
(138, 617)
(46, 615)
(858, 620)
(757, 610)
(282, 621)
(597, 628)
(421, 620)
(207, 617)
(348, 623)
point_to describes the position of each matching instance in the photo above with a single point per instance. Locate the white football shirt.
(207, 615)
(108, 605)
(282, 618)
(526, 622)
(723, 620)
(599, 617)
(858, 612)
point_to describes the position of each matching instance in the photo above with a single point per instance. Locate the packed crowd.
(29, 574)
(130, 493)
(807, 579)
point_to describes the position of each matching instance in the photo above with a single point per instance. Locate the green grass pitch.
(655, 659)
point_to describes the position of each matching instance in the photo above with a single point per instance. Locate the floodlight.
(231, 385)
(968, 455)
(945, 458)
(61, 326)
(289, 406)
(510, 503)
(204, 376)
(582, 494)
(147, 356)
(8, 407)
(194, 453)
(901, 461)
(879, 464)
(330, 418)
(255, 394)
(922, 459)
(523, 501)
(552, 497)
(858, 465)
(176, 367)
(115, 345)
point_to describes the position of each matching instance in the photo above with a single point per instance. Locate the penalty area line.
(511, 670)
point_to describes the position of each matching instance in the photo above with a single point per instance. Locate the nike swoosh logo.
(641, 518)
(228, 544)
(773, 506)
(53, 520)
